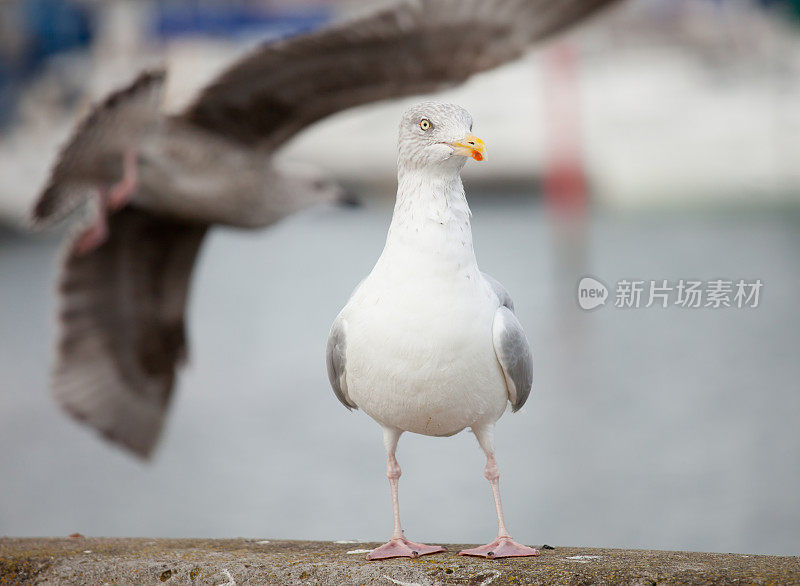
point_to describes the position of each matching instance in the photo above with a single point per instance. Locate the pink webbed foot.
(401, 547)
(502, 547)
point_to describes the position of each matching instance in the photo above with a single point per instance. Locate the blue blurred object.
(45, 28)
(54, 26)
(791, 7)
(175, 19)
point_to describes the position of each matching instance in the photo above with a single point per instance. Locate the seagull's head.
(433, 134)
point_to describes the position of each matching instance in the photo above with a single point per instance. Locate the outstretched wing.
(121, 339)
(409, 48)
(94, 152)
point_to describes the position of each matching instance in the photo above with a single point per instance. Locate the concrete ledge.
(80, 560)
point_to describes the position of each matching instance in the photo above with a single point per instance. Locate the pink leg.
(120, 193)
(503, 546)
(398, 545)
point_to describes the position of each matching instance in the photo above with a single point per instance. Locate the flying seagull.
(428, 343)
(156, 183)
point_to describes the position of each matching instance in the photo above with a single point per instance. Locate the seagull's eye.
(425, 124)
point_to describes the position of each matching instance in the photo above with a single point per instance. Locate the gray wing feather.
(122, 339)
(409, 48)
(500, 291)
(514, 354)
(335, 358)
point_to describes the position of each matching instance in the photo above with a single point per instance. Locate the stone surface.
(81, 560)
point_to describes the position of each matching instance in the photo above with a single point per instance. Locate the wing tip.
(45, 207)
(148, 79)
(142, 446)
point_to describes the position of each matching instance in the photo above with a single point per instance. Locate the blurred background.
(660, 141)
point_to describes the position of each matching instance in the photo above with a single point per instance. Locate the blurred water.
(658, 428)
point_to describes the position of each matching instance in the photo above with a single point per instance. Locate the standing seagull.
(158, 182)
(427, 343)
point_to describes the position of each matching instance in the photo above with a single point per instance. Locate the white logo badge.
(591, 293)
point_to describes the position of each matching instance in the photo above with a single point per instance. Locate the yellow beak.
(469, 146)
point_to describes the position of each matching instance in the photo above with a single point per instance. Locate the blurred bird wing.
(514, 355)
(96, 147)
(409, 48)
(121, 338)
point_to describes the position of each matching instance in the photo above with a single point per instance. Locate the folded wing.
(511, 347)
(336, 360)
